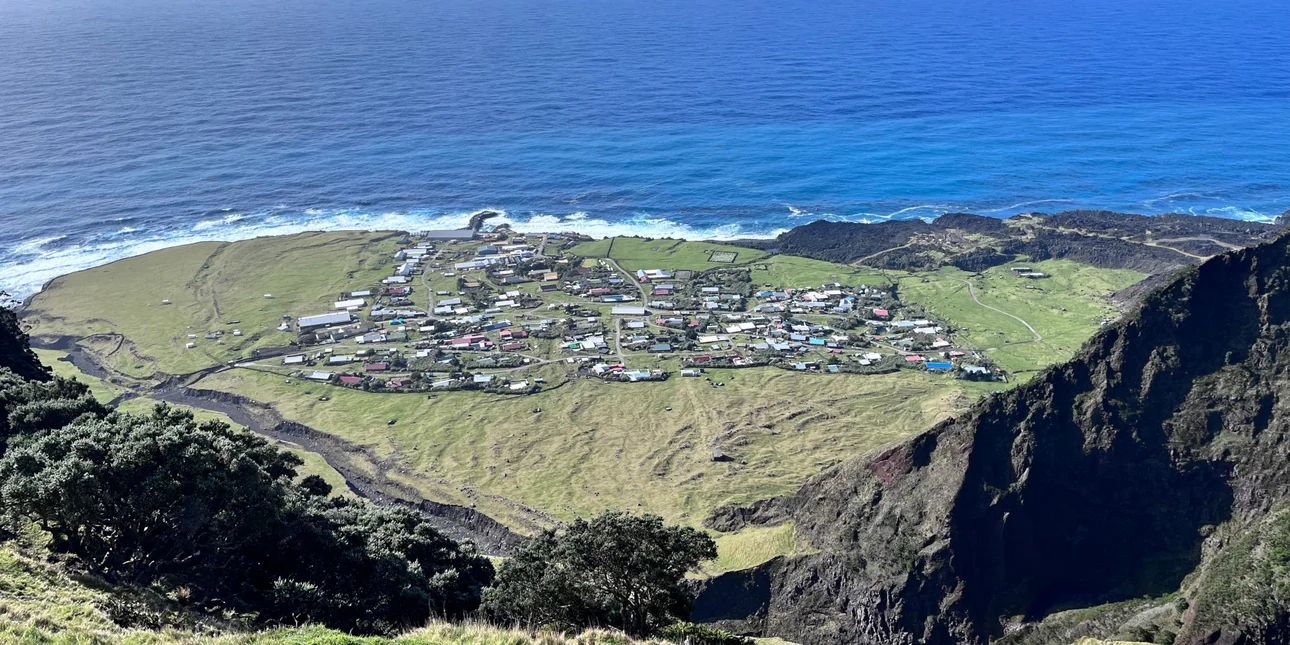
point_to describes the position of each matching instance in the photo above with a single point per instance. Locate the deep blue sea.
(129, 125)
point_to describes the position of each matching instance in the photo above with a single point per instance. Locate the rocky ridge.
(1155, 464)
(1157, 244)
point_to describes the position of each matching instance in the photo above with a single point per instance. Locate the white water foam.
(32, 263)
(1029, 203)
(936, 211)
(1233, 212)
(216, 223)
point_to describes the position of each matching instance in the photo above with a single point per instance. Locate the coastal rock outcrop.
(1155, 245)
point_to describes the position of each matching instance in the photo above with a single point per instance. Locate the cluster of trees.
(220, 517)
(162, 501)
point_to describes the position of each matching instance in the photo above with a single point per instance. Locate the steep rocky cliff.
(1152, 464)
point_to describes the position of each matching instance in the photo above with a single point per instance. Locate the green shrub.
(692, 634)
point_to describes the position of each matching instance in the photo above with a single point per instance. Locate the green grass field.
(1065, 308)
(209, 284)
(634, 253)
(790, 271)
(597, 445)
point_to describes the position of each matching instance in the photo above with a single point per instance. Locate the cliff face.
(1111, 477)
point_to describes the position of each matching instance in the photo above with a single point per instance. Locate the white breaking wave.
(1029, 203)
(31, 264)
(35, 245)
(936, 209)
(1233, 212)
(215, 223)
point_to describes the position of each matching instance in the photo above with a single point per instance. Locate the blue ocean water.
(129, 125)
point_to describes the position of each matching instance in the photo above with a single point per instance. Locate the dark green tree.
(28, 406)
(367, 567)
(160, 500)
(140, 498)
(15, 353)
(617, 570)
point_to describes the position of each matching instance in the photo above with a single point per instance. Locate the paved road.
(972, 291)
(631, 277)
(1199, 238)
(425, 283)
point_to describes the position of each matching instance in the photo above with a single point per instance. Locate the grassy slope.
(42, 605)
(210, 284)
(599, 445)
(105, 392)
(751, 547)
(1065, 309)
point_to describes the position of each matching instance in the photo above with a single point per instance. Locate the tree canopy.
(617, 570)
(160, 500)
(15, 353)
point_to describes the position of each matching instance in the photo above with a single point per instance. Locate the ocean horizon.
(131, 126)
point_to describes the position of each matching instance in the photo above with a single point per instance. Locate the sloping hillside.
(43, 604)
(1153, 464)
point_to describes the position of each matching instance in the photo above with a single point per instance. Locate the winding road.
(972, 291)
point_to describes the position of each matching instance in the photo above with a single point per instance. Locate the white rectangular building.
(325, 320)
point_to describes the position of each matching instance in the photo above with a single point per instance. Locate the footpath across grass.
(1066, 308)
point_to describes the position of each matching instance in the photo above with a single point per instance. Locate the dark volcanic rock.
(1099, 252)
(970, 223)
(1100, 480)
(1152, 244)
(845, 242)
